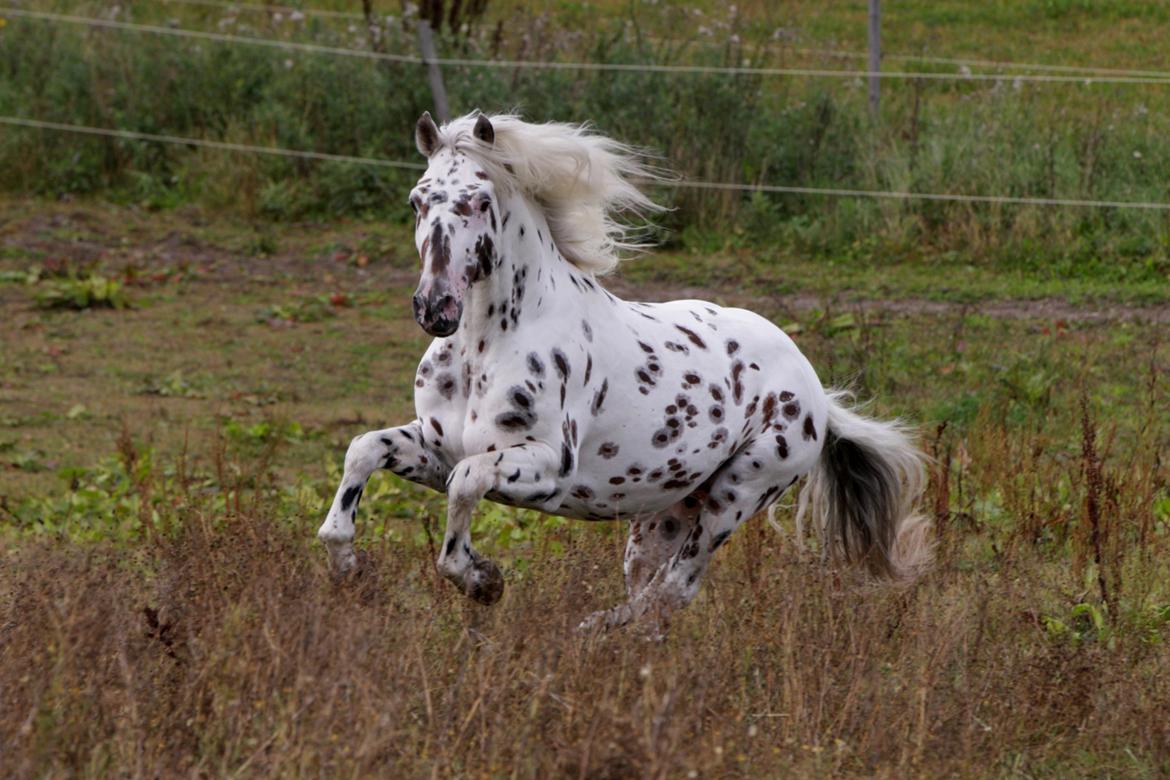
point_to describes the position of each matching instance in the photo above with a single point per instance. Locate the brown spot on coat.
(694, 337)
(810, 430)
(737, 381)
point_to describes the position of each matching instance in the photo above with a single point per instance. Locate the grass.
(177, 389)
(1072, 141)
(165, 609)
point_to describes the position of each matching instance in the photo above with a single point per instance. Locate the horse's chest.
(478, 402)
(443, 389)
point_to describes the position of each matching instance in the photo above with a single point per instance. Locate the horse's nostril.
(417, 303)
(444, 302)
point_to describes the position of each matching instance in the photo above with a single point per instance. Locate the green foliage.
(104, 502)
(307, 309)
(18, 277)
(515, 532)
(263, 432)
(85, 292)
(1085, 622)
(1067, 141)
(174, 385)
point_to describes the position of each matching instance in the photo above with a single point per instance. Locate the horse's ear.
(484, 130)
(426, 135)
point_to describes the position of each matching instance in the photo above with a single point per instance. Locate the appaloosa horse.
(544, 390)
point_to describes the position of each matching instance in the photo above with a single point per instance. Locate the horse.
(544, 390)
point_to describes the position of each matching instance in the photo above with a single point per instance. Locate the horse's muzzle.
(437, 315)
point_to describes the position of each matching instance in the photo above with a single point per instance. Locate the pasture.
(167, 609)
(190, 338)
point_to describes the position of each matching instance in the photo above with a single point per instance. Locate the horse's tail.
(863, 492)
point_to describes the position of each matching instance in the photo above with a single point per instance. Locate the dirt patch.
(357, 255)
(127, 239)
(798, 304)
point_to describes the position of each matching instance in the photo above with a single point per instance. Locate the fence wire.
(1090, 70)
(825, 73)
(680, 184)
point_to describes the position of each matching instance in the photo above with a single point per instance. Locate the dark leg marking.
(350, 496)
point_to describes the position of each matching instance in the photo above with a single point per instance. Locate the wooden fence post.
(875, 56)
(426, 44)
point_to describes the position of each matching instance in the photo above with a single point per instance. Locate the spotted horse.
(544, 390)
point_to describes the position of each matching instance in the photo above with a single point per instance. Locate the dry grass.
(227, 650)
(210, 641)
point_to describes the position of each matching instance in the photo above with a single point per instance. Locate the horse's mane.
(580, 179)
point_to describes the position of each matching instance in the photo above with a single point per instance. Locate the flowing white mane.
(581, 180)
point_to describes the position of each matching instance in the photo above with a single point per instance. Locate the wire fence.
(228, 146)
(682, 184)
(266, 8)
(1107, 77)
(958, 62)
(826, 73)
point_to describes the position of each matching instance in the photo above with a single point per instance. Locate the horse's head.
(455, 226)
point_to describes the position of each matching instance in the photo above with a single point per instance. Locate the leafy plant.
(88, 292)
(311, 309)
(174, 385)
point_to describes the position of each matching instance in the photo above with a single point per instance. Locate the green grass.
(310, 335)
(165, 606)
(165, 610)
(1099, 142)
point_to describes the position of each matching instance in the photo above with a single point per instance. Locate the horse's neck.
(530, 280)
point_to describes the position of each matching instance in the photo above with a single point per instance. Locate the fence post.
(426, 44)
(875, 56)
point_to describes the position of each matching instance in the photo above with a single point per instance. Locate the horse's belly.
(615, 486)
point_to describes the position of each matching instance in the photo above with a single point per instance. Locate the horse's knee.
(360, 455)
(334, 533)
(682, 578)
(466, 485)
(679, 587)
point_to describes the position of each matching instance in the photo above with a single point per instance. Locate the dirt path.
(1013, 308)
(94, 235)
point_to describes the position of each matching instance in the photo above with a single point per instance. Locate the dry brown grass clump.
(229, 651)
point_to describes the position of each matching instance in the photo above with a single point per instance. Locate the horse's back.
(689, 384)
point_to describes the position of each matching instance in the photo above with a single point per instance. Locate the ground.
(164, 465)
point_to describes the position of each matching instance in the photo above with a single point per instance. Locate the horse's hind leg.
(653, 539)
(402, 450)
(745, 485)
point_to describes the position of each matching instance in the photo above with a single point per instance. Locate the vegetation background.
(191, 337)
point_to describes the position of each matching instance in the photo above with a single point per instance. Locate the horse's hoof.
(594, 624)
(485, 583)
(342, 563)
(601, 621)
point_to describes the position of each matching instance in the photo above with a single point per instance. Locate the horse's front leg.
(525, 475)
(402, 450)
